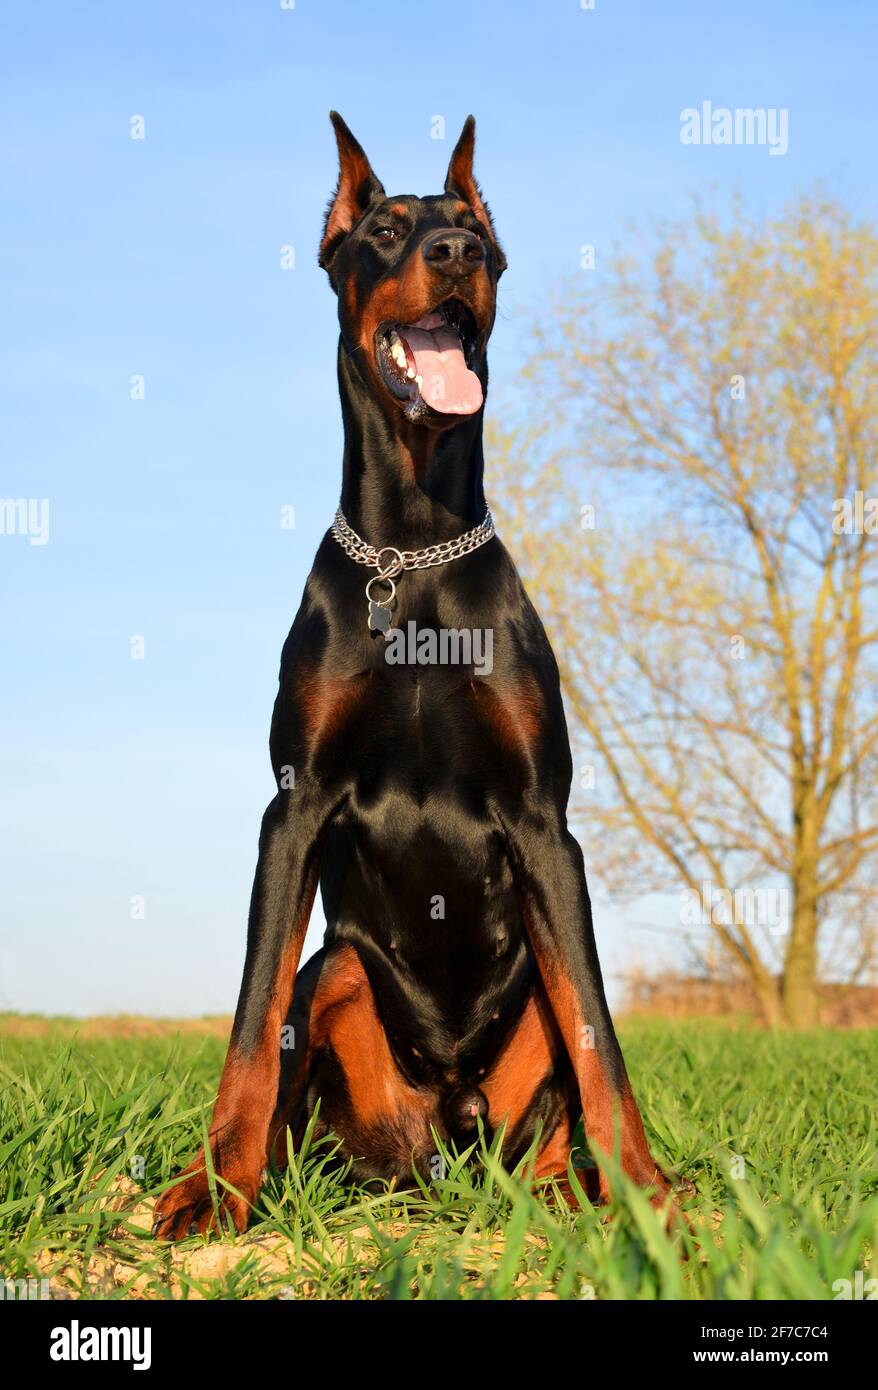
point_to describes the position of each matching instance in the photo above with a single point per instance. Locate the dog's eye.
(385, 234)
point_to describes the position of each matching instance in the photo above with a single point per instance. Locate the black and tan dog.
(459, 979)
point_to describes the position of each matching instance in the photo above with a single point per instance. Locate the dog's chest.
(433, 729)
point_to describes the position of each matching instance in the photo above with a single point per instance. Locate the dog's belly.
(425, 894)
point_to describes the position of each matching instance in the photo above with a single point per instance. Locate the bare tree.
(702, 533)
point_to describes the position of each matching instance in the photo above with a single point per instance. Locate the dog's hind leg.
(548, 866)
(296, 1055)
(532, 1085)
(331, 980)
(339, 1054)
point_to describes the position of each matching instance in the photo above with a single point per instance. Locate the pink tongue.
(448, 384)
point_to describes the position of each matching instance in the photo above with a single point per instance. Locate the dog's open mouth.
(429, 363)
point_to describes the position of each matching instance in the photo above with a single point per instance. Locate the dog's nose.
(452, 251)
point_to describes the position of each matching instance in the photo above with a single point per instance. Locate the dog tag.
(379, 617)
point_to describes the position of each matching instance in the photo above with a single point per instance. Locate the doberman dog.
(459, 982)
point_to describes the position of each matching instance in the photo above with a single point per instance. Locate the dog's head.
(416, 280)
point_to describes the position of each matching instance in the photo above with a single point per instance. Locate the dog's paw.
(665, 1191)
(188, 1207)
(683, 1187)
(659, 1189)
(669, 1196)
(645, 1173)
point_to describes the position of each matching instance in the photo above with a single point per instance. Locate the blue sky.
(161, 258)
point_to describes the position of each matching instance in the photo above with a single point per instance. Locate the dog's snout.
(453, 251)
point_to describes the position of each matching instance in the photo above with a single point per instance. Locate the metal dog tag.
(379, 617)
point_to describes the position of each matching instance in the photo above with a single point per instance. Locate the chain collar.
(390, 569)
(440, 554)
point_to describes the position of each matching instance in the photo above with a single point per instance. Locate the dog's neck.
(406, 485)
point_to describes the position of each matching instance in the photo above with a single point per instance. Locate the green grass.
(777, 1132)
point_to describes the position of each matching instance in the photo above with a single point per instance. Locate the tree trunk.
(799, 985)
(767, 994)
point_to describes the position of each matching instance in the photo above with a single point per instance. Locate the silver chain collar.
(378, 618)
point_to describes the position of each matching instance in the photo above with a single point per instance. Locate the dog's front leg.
(549, 871)
(283, 893)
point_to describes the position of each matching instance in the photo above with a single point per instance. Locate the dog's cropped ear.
(357, 188)
(460, 181)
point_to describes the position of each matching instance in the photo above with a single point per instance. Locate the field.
(777, 1132)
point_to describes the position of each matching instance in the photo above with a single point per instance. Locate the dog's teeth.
(411, 373)
(419, 381)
